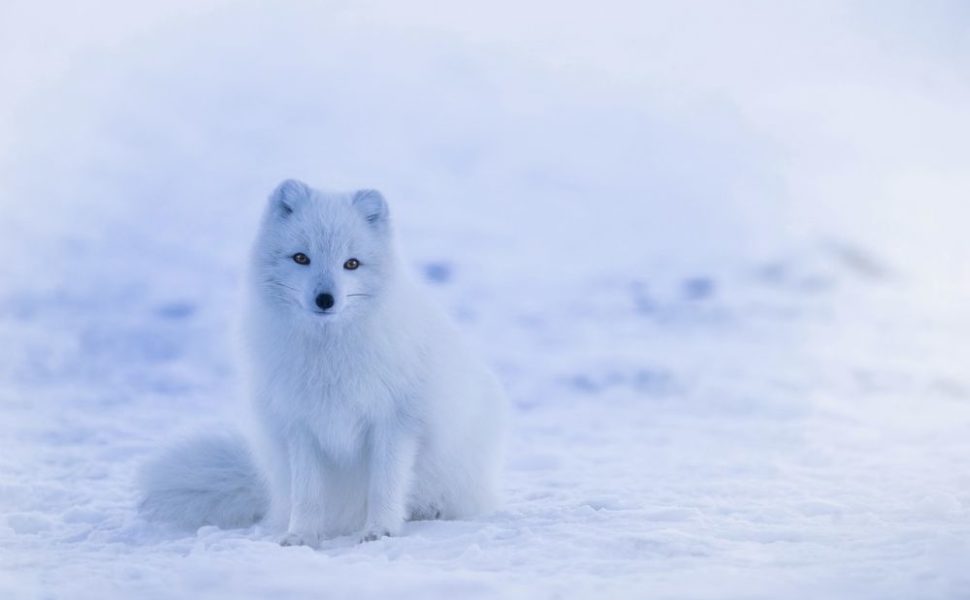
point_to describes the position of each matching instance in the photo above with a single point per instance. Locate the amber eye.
(351, 264)
(301, 259)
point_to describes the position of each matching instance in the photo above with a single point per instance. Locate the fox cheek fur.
(367, 408)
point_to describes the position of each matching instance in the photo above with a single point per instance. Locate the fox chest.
(340, 406)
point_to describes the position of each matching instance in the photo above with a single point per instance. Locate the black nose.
(324, 301)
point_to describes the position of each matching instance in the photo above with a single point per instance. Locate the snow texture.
(715, 251)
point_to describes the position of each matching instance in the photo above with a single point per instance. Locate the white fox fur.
(368, 408)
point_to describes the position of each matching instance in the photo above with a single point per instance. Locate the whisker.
(274, 282)
(362, 295)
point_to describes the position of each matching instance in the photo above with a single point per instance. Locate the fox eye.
(351, 264)
(301, 259)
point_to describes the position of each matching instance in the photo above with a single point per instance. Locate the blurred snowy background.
(717, 252)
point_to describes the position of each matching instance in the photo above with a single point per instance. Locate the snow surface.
(716, 251)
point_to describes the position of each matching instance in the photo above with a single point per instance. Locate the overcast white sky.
(744, 123)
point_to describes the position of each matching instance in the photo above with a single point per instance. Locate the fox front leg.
(306, 492)
(392, 453)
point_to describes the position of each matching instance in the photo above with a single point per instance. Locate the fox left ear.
(372, 205)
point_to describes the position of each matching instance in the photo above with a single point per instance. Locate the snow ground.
(715, 253)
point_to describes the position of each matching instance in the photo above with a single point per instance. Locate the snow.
(716, 252)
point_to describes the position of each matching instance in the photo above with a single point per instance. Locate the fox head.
(325, 255)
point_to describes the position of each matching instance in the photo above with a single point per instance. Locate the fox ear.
(288, 195)
(371, 204)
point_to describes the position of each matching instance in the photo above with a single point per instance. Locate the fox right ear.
(288, 195)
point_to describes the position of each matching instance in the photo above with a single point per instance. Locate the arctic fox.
(367, 407)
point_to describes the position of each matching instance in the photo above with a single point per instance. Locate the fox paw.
(297, 539)
(372, 535)
(425, 513)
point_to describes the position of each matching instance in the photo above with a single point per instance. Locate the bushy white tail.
(205, 480)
